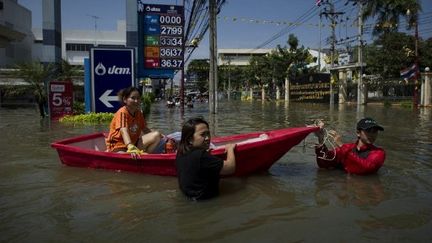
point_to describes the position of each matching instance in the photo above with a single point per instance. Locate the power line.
(308, 14)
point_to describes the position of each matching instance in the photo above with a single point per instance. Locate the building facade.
(16, 37)
(241, 57)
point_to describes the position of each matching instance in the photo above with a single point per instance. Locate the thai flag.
(409, 73)
(318, 2)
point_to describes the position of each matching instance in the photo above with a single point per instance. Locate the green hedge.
(90, 118)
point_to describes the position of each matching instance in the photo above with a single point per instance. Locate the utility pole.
(319, 52)
(417, 71)
(95, 18)
(332, 15)
(213, 59)
(361, 99)
(417, 76)
(182, 76)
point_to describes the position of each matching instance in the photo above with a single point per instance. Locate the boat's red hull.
(253, 153)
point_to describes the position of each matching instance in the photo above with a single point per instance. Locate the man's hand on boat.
(320, 133)
(230, 146)
(134, 151)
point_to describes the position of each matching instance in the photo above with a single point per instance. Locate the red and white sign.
(151, 62)
(60, 99)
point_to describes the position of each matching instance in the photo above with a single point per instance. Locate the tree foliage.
(426, 53)
(66, 71)
(234, 74)
(268, 70)
(388, 13)
(38, 75)
(199, 69)
(390, 53)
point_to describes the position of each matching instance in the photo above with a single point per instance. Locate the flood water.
(42, 200)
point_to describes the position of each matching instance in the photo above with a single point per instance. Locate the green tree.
(390, 53)
(283, 62)
(292, 60)
(238, 77)
(233, 74)
(426, 54)
(66, 71)
(200, 69)
(388, 12)
(259, 72)
(37, 76)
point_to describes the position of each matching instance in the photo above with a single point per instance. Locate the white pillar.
(277, 93)
(342, 86)
(426, 89)
(287, 87)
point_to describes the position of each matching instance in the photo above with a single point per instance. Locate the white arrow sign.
(106, 98)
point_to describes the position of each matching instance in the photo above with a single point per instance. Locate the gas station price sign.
(163, 36)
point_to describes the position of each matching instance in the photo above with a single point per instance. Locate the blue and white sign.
(112, 69)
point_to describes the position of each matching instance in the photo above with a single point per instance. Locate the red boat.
(255, 152)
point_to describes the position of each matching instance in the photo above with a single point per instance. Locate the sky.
(241, 23)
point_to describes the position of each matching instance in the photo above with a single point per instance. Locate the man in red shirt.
(361, 157)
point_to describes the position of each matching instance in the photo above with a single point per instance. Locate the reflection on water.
(42, 200)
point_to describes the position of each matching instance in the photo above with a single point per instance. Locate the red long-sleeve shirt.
(364, 161)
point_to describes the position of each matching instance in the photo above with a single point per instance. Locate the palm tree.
(66, 71)
(388, 13)
(36, 75)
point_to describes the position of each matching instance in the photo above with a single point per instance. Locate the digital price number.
(171, 30)
(171, 63)
(171, 41)
(169, 19)
(171, 52)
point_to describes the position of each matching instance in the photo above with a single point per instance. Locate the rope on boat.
(328, 142)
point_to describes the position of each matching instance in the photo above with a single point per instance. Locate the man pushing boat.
(360, 157)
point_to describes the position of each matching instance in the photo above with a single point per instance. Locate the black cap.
(367, 123)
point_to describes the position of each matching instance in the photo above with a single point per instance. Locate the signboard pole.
(87, 85)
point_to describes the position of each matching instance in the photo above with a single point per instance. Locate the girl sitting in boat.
(128, 129)
(198, 171)
(361, 157)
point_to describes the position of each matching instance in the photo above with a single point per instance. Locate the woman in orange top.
(128, 128)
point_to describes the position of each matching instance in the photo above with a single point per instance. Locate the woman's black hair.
(187, 133)
(124, 93)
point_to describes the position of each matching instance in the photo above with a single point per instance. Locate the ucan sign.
(60, 99)
(112, 69)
